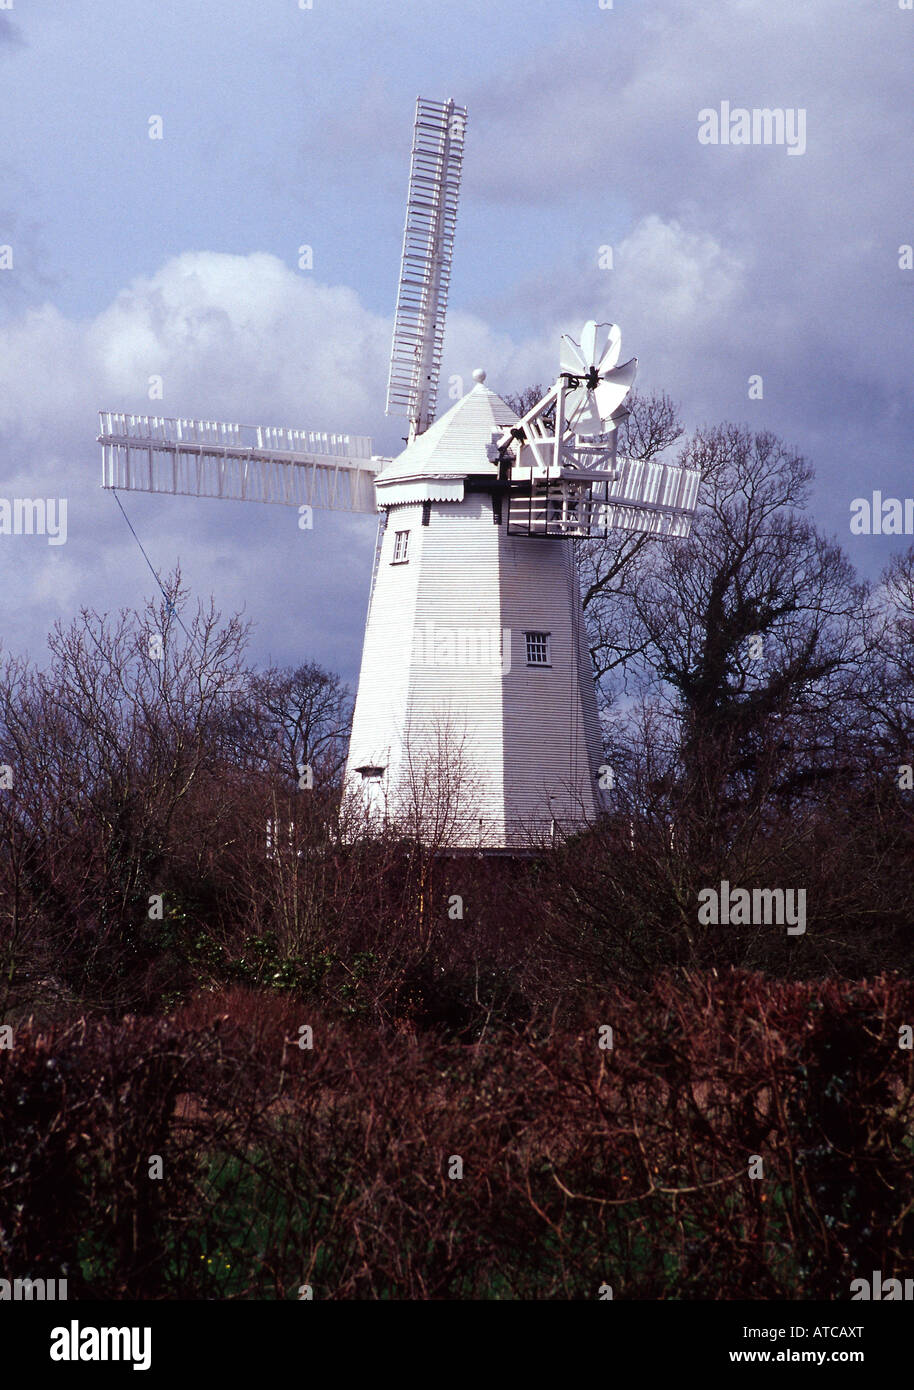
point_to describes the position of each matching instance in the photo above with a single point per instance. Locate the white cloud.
(248, 335)
(236, 337)
(691, 281)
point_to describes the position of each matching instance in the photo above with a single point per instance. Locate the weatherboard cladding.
(530, 736)
(549, 768)
(380, 708)
(459, 594)
(593, 732)
(405, 699)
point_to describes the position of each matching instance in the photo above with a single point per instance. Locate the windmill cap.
(455, 445)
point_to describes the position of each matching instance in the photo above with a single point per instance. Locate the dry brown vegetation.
(333, 1166)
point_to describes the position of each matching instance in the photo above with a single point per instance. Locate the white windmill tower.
(475, 722)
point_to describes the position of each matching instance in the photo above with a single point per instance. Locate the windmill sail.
(648, 496)
(245, 463)
(428, 241)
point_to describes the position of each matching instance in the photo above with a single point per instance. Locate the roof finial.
(479, 374)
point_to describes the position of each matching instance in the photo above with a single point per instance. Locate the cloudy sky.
(130, 257)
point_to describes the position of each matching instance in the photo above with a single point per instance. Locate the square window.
(401, 548)
(538, 648)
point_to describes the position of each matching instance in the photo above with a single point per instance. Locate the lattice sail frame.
(245, 463)
(425, 272)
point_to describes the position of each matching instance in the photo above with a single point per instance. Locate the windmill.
(475, 722)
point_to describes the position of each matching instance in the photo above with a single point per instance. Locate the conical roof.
(455, 445)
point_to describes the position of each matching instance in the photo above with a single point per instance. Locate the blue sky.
(284, 126)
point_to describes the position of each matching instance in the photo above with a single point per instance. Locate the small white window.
(538, 648)
(401, 548)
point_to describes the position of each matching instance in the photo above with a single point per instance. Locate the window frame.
(398, 558)
(545, 639)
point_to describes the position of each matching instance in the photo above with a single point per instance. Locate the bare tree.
(107, 748)
(292, 720)
(887, 690)
(750, 626)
